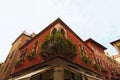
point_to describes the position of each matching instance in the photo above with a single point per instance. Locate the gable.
(59, 23)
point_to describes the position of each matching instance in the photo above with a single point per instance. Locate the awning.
(30, 74)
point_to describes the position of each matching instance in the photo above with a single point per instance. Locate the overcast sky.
(98, 19)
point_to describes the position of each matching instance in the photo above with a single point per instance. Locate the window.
(59, 30)
(48, 75)
(101, 63)
(63, 32)
(23, 54)
(6, 66)
(86, 78)
(81, 78)
(93, 59)
(71, 76)
(82, 51)
(113, 69)
(107, 65)
(98, 61)
(119, 47)
(35, 46)
(94, 47)
(12, 54)
(27, 40)
(54, 31)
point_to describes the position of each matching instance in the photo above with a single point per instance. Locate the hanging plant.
(57, 44)
(96, 66)
(86, 60)
(31, 55)
(20, 61)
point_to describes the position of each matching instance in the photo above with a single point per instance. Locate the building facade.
(116, 45)
(9, 63)
(117, 57)
(108, 66)
(57, 53)
(1, 64)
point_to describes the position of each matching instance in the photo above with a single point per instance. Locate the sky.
(96, 19)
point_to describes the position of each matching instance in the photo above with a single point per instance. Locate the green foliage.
(20, 61)
(87, 60)
(96, 66)
(83, 53)
(31, 55)
(112, 60)
(57, 44)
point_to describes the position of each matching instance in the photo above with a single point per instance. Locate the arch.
(62, 31)
(53, 31)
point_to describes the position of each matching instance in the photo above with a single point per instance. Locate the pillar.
(58, 73)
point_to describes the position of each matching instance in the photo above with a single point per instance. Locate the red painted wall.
(97, 54)
(38, 59)
(29, 47)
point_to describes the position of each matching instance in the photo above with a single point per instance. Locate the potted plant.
(57, 44)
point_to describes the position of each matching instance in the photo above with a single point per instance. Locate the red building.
(108, 66)
(59, 61)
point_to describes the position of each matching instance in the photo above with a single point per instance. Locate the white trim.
(29, 74)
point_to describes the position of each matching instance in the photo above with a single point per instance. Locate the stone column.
(83, 77)
(58, 73)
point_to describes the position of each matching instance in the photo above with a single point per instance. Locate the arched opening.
(53, 31)
(62, 31)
